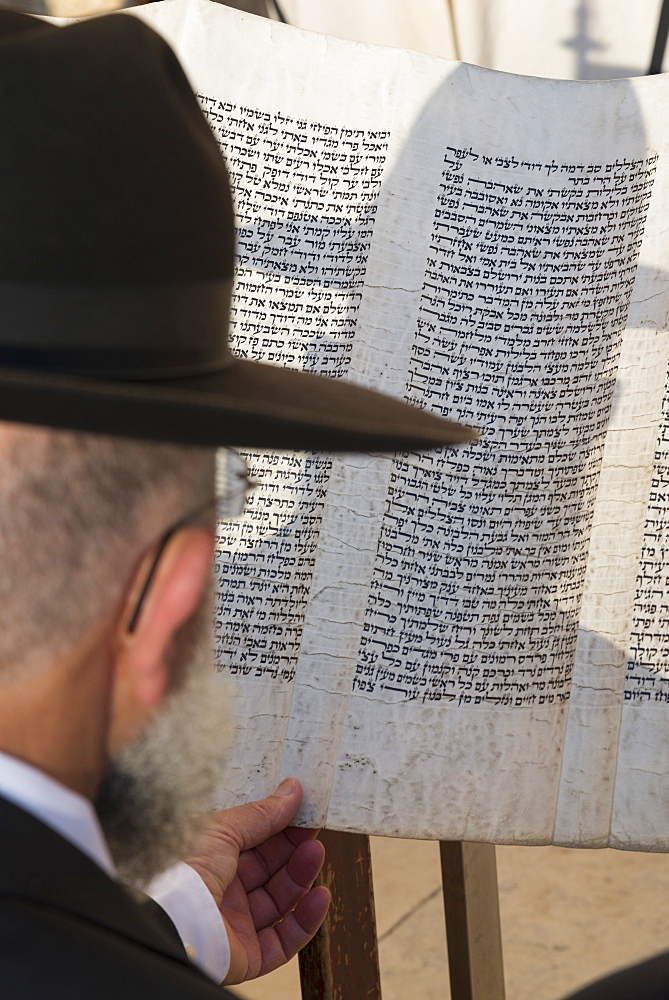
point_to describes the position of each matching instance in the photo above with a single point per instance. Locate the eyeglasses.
(233, 484)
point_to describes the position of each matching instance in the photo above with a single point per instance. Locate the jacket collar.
(38, 865)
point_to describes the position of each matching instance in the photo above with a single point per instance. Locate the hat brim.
(246, 404)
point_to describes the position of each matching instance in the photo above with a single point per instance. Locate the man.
(116, 386)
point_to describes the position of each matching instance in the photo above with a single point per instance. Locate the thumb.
(255, 822)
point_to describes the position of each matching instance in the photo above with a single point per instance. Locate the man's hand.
(260, 871)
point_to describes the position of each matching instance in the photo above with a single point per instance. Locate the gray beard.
(153, 798)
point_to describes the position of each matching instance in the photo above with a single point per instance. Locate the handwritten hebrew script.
(647, 680)
(482, 553)
(305, 202)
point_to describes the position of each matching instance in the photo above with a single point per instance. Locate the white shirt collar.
(65, 811)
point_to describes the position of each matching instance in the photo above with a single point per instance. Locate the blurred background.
(569, 39)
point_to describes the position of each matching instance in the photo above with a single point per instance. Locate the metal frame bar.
(660, 40)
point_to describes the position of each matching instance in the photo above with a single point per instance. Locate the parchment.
(605, 798)
(405, 629)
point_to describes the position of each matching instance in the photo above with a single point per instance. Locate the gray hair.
(77, 511)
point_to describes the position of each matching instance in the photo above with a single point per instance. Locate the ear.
(142, 666)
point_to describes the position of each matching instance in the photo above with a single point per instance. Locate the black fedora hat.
(116, 261)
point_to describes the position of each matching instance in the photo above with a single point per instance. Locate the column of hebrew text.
(305, 224)
(306, 193)
(641, 797)
(616, 740)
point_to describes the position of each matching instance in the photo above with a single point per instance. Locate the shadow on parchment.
(492, 522)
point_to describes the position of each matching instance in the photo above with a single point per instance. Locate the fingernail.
(287, 787)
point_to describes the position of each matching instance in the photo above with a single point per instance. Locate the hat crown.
(112, 187)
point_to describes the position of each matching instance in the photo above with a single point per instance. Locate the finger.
(280, 943)
(258, 865)
(255, 822)
(282, 892)
(229, 833)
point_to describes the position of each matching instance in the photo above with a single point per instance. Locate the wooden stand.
(342, 961)
(473, 930)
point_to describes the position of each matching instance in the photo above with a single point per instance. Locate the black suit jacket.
(68, 931)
